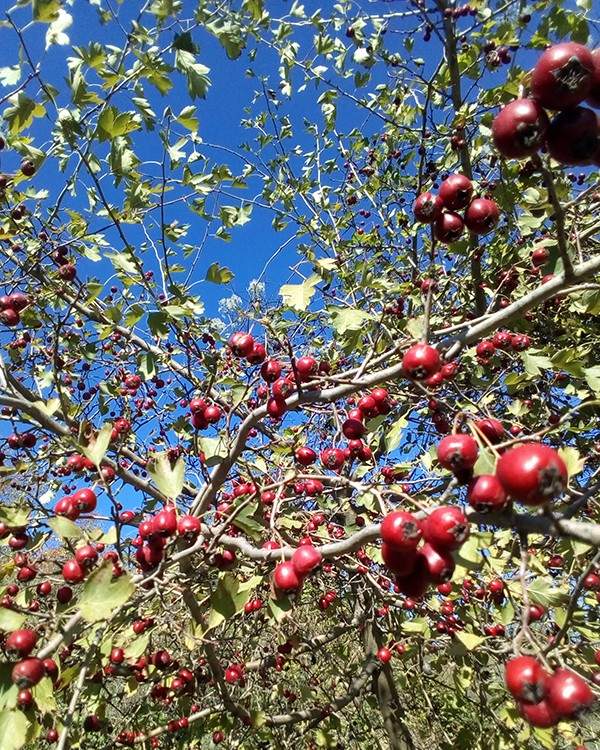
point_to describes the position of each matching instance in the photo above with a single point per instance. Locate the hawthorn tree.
(358, 508)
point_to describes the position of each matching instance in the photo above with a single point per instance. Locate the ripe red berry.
(486, 494)
(568, 693)
(353, 429)
(271, 370)
(573, 136)
(285, 577)
(519, 128)
(539, 714)
(539, 256)
(306, 367)
(305, 455)
(457, 452)
(421, 361)
(28, 672)
(426, 207)
(384, 655)
(532, 473)
(21, 642)
(439, 562)
(448, 227)
(456, 191)
(482, 215)
(85, 500)
(73, 572)
(526, 679)
(305, 559)
(400, 560)
(401, 530)
(562, 76)
(164, 522)
(446, 527)
(241, 344)
(333, 458)
(493, 429)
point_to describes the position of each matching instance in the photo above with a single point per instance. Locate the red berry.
(305, 559)
(486, 494)
(400, 560)
(519, 128)
(573, 136)
(440, 565)
(73, 572)
(532, 473)
(401, 530)
(384, 655)
(456, 191)
(421, 361)
(482, 215)
(562, 76)
(285, 577)
(457, 452)
(307, 367)
(539, 714)
(21, 642)
(568, 693)
(525, 679)
(448, 227)
(426, 207)
(446, 527)
(28, 672)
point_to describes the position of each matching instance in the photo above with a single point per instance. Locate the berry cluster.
(455, 193)
(416, 567)
(544, 699)
(564, 76)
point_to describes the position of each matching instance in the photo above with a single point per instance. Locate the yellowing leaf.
(65, 528)
(13, 729)
(572, 459)
(469, 640)
(96, 449)
(169, 479)
(298, 296)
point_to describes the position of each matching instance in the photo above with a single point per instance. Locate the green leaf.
(102, 595)
(469, 640)
(393, 437)
(347, 319)
(137, 646)
(575, 463)
(96, 449)
(542, 591)
(219, 274)
(112, 123)
(214, 449)
(43, 695)
(229, 598)
(298, 296)
(169, 479)
(19, 115)
(196, 74)
(13, 729)
(10, 620)
(592, 376)
(187, 118)
(536, 363)
(65, 528)
(45, 11)
(157, 322)
(14, 515)
(486, 462)
(10, 76)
